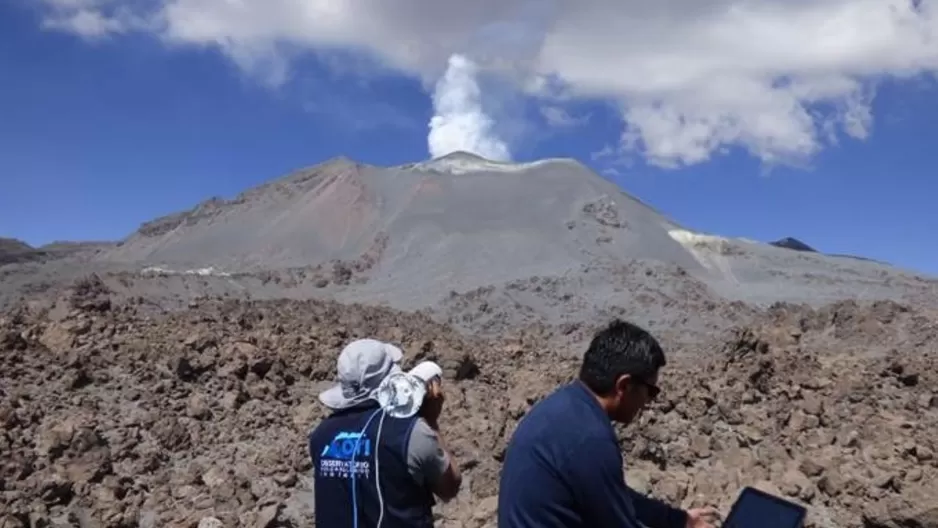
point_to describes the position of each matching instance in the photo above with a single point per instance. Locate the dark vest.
(332, 447)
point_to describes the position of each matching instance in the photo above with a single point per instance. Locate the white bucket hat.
(362, 366)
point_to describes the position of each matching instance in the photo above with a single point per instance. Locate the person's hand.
(702, 517)
(432, 404)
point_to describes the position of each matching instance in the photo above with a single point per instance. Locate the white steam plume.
(460, 123)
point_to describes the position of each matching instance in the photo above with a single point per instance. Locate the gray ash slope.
(488, 243)
(441, 222)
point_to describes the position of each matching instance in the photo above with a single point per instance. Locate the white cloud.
(778, 78)
(557, 116)
(92, 19)
(88, 24)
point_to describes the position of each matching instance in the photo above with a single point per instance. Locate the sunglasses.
(653, 390)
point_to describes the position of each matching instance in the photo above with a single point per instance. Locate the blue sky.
(98, 136)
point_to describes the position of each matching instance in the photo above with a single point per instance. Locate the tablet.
(757, 509)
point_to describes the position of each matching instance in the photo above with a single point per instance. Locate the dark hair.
(620, 348)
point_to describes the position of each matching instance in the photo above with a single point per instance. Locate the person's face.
(632, 395)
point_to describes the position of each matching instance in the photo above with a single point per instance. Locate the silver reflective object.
(401, 394)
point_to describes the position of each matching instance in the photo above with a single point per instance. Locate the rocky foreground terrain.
(117, 414)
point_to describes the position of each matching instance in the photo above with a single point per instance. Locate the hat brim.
(395, 353)
(333, 398)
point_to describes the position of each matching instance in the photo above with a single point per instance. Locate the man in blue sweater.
(563, 466)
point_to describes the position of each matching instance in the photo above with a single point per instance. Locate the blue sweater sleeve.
(657, 514)
(599, 486)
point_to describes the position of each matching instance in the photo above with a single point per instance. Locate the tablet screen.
(755, 509)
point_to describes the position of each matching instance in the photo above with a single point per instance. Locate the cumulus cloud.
(778, 78)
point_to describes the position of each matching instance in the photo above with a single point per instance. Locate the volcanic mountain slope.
(453, 224)
(478, 241)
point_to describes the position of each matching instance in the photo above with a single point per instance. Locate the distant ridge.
(797, 245)
(793, 243)
(16, 251)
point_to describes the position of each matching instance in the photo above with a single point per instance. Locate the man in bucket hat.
(372, 467)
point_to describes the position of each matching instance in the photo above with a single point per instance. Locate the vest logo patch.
(347, 452)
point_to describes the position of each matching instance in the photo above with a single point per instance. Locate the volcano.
(546, 238)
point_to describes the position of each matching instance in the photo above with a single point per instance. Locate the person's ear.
(623, 384)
